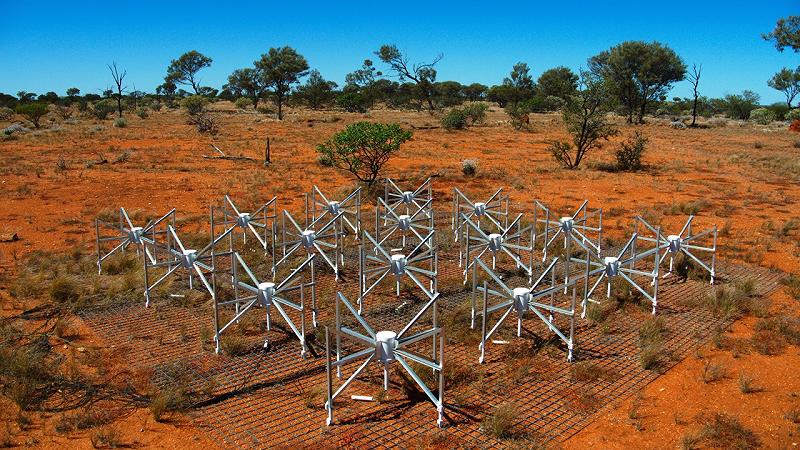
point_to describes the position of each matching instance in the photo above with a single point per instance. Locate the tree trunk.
(279, 99)
(642, 111)
(119, 104)
(694, 110)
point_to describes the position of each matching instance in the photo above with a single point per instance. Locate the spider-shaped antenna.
(498, 296)
(622, 266)
(325, 239)
(410, 201)
(250, 292)
(375, 264)
(684, 242)
(516, 241)
(146, 238)
(576, 227)
(400, 230)
(260, 223)
(320, 209)
(385, 348)
(493, 210)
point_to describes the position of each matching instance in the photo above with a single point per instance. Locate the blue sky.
(55, 45)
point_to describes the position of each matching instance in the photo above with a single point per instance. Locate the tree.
(363, 148)
(585, 116)
(739, 106)
(500, 94)
(279, 69)
(25, 97)
(118, 80)
(73, 92)
(32, 111)
(639, 73)
(785, 34)
(423, 74)
(316, 92)
(246, 83)
(449, 93)
(364, 81)
(694, 78)
(520, 83)
(49, 97)
(475, 92)
(788, 82)
(558, 82)
(184, 69)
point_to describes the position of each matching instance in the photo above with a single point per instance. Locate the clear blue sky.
(55, 45)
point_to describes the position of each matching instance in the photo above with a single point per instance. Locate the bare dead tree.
(694, 78)
(423, 74)
(118, 79)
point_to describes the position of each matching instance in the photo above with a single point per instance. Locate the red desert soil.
(744, 178)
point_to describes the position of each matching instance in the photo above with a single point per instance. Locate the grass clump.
(106, 437)
(792, 286)
(713, 372)
(651, 343)
(234, 345)
(500, 423)
(746, 385)
(586, 371)
(723, 431)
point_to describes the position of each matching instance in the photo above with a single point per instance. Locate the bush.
(120, 122)
(476, 112)
(352, 102)
(469, 167)
(793, 114)
(363, 148)
(6, 113)
(32, 111)
(629, 154)
(325, 161)
(156, 106)
(762, 116)
(103, 108)
(455, 119)
(143, 113)
(243, 103)
(195, 104)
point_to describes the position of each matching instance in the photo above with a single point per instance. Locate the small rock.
(678, 125)
(81, 349)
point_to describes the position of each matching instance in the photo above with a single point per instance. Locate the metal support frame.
(684, 242)
(326, 240)
(318, 207)
(375, 264)
(260, 223)
(410, 200)
(497, 296)
(401, 230)
(148, 239)
(250, 292)
(622, 265)
(515, 241)
(386, 347)
(576, 227)
(494, 210)
(201, 262)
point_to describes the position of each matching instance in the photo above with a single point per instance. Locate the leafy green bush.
(120, 122)
(243, 103)
(32, 111)
(793, 114)
(629, 154)
(762, 116)
(195, 104)
(363, 148)
(103, 108)
(455, 119)
(143, 113)
(352, 102)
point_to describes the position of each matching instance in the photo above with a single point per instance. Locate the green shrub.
(103, 108)
(500, 423)
(352, 102)
(120, 122)
(363, 148)
(455, 119)
(476, 112)
(32, 111)
(762, 116)
(6, 113)
(195, 104)
(793, 114)
(143, 113)
(629, 154)
(243, 103)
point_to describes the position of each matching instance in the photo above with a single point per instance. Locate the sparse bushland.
(629, 155)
